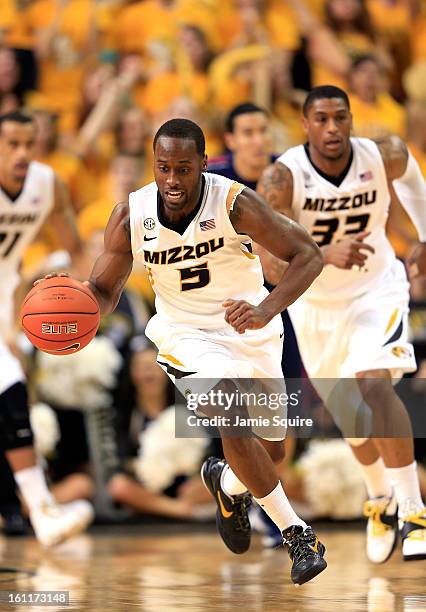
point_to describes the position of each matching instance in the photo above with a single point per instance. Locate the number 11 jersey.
(20, 221)
(331, 213)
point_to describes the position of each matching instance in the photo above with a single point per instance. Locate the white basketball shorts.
(185, 352)
(338, 340)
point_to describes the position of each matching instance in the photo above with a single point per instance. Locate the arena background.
(100, 77)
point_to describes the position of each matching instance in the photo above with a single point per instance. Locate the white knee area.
(356, 441)
(228, 368)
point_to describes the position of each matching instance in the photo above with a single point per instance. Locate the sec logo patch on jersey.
(149, 223)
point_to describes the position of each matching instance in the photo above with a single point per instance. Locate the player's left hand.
(241, 315)
(51, 275)
(416, 261)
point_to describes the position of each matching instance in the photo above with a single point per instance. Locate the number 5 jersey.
(331, 213)
(194, 269)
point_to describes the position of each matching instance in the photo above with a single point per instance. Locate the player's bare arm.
(276, 187)
(113, 267)
(404, 176)
(287, 241)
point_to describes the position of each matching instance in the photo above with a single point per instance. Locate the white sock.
(278, 508)
(405, 482)
(33, 486)
(230, 483)
(376, 479)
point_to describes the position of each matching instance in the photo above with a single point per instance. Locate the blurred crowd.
(100, 76)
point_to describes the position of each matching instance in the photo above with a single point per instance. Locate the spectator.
(124, 176)
(64, 33)
(150, 29)
(9, 73)
(261, 39)
(333, 44)
(186, 76)
(375, 113)
(48, 150)
(246, 22)
(396, 23)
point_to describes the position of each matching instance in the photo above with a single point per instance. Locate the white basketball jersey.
(330, 213)
(20, 220)
(194, 273)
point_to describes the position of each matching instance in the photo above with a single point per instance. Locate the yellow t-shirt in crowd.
(142, 25)
(278, 22)
(389, 17)
(384, 117)
(71, 170)
(62, 72)
(94, 218)
(14, 25)
(354, 44)
(163, 88)
(418, 39)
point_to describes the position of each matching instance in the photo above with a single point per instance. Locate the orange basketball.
(60, 315)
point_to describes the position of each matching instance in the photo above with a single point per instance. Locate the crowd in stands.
(100, 76)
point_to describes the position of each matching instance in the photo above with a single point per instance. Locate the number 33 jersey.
(20, 221)
(194, 272)
(331, 213)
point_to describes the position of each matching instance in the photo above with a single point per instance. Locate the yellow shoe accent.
(224, 511)
(418, 519)
(315, 546)
(417, 535)
(373, 510)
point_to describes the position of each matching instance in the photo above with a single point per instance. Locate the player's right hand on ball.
(348, 252)
(47, 276)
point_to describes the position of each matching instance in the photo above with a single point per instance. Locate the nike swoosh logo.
(148, 239)
(224, 511)
(71, 347)
(282, 335)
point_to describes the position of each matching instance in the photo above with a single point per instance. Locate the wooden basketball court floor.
(132, 569)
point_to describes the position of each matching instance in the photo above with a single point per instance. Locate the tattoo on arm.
(276, 187)
(394, 153)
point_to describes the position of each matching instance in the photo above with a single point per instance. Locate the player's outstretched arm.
(409, 185)
(113, 267)
(286, 240)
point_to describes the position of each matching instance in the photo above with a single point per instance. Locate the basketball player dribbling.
(193, 230)
(352, 322)
(30, 194)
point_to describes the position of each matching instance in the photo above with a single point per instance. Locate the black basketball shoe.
(306, 553)
(231, 515)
